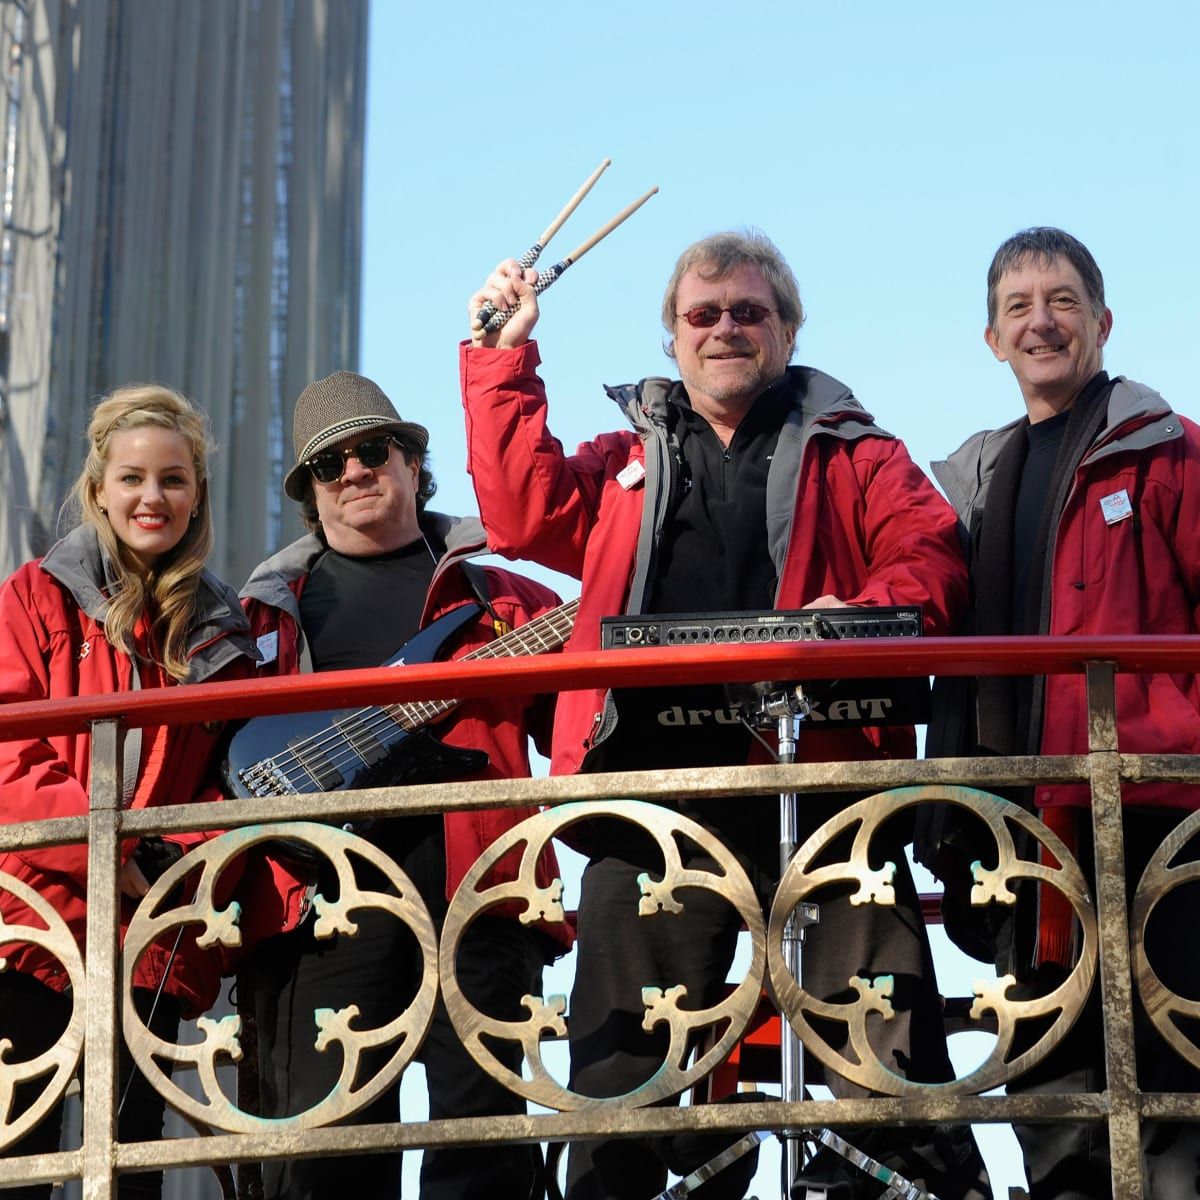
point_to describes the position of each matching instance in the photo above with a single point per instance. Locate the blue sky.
(886, 148)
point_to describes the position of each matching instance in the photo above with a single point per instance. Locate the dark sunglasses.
(705, 316)
(330, 465)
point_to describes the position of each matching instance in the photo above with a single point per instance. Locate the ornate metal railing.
(100, 982)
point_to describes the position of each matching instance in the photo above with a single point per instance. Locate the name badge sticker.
(1116, 507)
(629, 477)
(268, 647)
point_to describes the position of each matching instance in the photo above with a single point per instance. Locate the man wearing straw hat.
(746, 485)
(1083, 517)
(376, 567)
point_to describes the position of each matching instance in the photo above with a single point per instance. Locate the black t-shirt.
(358, 612)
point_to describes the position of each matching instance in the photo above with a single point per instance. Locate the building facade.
(182, 204)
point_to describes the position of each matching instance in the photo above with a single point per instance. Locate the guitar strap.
(476, 576)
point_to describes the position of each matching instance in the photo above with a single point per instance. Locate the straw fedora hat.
(337, 407)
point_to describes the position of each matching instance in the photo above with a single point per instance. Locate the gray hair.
(721, 254)
(1043, 244)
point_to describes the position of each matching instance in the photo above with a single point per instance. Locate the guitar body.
(344, 749)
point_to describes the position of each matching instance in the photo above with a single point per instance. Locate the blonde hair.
(168, 593)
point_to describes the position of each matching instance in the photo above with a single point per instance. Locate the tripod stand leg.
(898, 1187)
(706, 1171)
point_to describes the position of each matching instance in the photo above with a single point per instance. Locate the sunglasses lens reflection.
(705, 316)
(330, 465)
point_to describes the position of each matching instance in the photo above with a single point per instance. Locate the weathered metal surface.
(1167, 768)
(1161, 1004)
(804, 878)
(720, 783)
(58, 1064)
(54, 831)
(1124, 1131)
(618, 1122)
(334, 1030)
(42, 1168)
(1165, 1106)
(728, 1018)
(1121, 1107)
(103, 920)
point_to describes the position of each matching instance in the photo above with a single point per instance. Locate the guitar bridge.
(266, 779)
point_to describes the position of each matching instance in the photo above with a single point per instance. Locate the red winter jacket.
(52, 646)
(848, 514)
(1140, 574)
(501, 726)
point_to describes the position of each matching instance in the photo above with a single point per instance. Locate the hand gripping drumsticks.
(498, 319)
(531, 255)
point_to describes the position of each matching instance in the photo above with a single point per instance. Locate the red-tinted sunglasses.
(705, 316)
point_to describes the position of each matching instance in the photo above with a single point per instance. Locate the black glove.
(155, 857)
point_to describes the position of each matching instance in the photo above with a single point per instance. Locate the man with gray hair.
(1083, 517)
(748, 484)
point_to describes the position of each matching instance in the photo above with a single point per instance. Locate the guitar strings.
(418, 713)
(385, 719)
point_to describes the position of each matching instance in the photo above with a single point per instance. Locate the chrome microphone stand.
(783, 706)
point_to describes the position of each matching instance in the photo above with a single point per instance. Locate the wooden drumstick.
(531, 255)
(570, 207)
(605, 230)
(546, 278)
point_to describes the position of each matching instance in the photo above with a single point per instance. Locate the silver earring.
(103, 511)
(195, 512)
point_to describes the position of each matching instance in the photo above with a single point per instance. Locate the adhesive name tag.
(1116, 507)
(629, 477)
(268, 647)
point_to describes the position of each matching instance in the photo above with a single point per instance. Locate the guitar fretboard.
(540, 636)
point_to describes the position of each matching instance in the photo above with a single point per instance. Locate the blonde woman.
(123, 602)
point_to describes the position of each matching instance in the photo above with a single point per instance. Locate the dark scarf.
(1009, 708)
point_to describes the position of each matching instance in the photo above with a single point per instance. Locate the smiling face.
(726, 368)
(149, 491)
(370, 510)
(1048, 333)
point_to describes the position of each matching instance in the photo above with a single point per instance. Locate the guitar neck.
(540, 636)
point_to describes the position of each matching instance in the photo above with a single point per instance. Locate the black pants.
(621, 952)
(1071, 1162)
(378, 970)
(34, 1016)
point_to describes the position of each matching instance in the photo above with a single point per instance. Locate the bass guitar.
(341, 750)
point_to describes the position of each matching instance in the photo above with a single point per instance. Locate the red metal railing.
(871, 658)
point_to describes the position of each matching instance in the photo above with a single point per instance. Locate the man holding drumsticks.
(745, 485)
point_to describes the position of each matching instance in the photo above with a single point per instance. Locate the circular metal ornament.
(534, 903)
(865, 817)
(1161, 1003)
(61, 1060)
(153, 922)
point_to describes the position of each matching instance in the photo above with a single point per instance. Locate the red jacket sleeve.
(910, 536)
(536, 502)
(35, 780)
